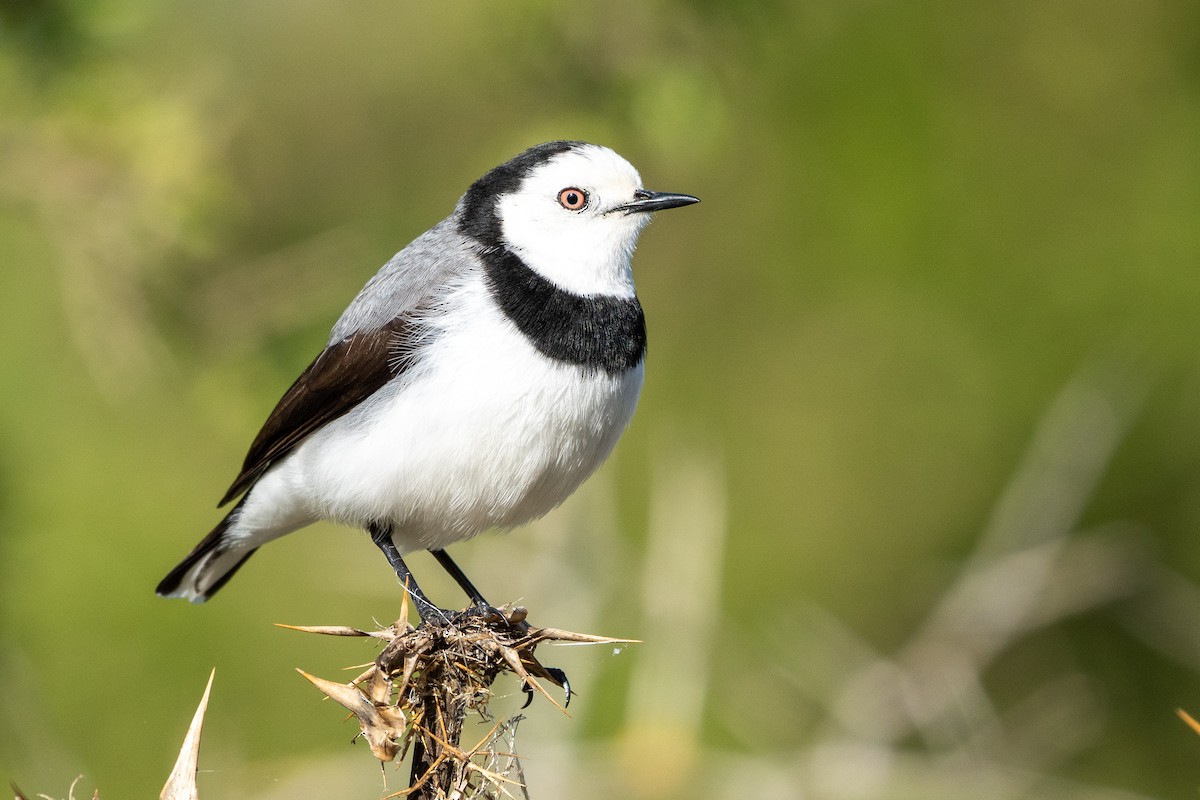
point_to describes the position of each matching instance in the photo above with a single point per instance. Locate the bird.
(473, 383)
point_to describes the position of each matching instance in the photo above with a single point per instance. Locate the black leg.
(381, 535)
(461, 579)
(486, 608)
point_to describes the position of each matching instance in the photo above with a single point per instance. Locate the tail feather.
(210, 565)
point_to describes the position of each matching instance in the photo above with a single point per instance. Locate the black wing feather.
(341, 377)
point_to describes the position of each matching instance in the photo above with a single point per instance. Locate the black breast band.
(595, 332)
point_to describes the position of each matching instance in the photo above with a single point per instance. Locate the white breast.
(484, 432)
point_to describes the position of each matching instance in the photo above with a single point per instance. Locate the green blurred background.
(909, 508)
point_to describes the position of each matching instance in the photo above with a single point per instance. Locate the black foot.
(560, 677)
(479, 612)
(489, 613)
(557, 676)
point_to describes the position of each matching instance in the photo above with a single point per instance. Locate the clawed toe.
(560, 677)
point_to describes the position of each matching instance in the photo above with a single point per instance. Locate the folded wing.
(342, 376)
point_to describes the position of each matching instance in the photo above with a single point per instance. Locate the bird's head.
(572, 211)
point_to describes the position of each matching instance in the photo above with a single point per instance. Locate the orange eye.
(573, 199)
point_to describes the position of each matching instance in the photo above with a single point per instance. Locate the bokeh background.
(910, 505)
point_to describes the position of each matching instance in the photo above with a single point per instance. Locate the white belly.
(484, 432)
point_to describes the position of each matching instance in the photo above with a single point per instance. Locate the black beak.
(646, 201)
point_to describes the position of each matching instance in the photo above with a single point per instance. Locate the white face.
(562, 223)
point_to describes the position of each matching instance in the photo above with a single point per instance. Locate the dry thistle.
(417, 694)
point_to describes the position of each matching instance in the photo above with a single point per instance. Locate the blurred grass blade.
(181, 785)
(1189, 719)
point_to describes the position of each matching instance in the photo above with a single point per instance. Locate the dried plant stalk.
(417, 694)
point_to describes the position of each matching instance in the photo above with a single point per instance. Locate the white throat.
(590, 261)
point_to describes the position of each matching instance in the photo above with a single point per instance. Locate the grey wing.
(412, 277)
(371, 344)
